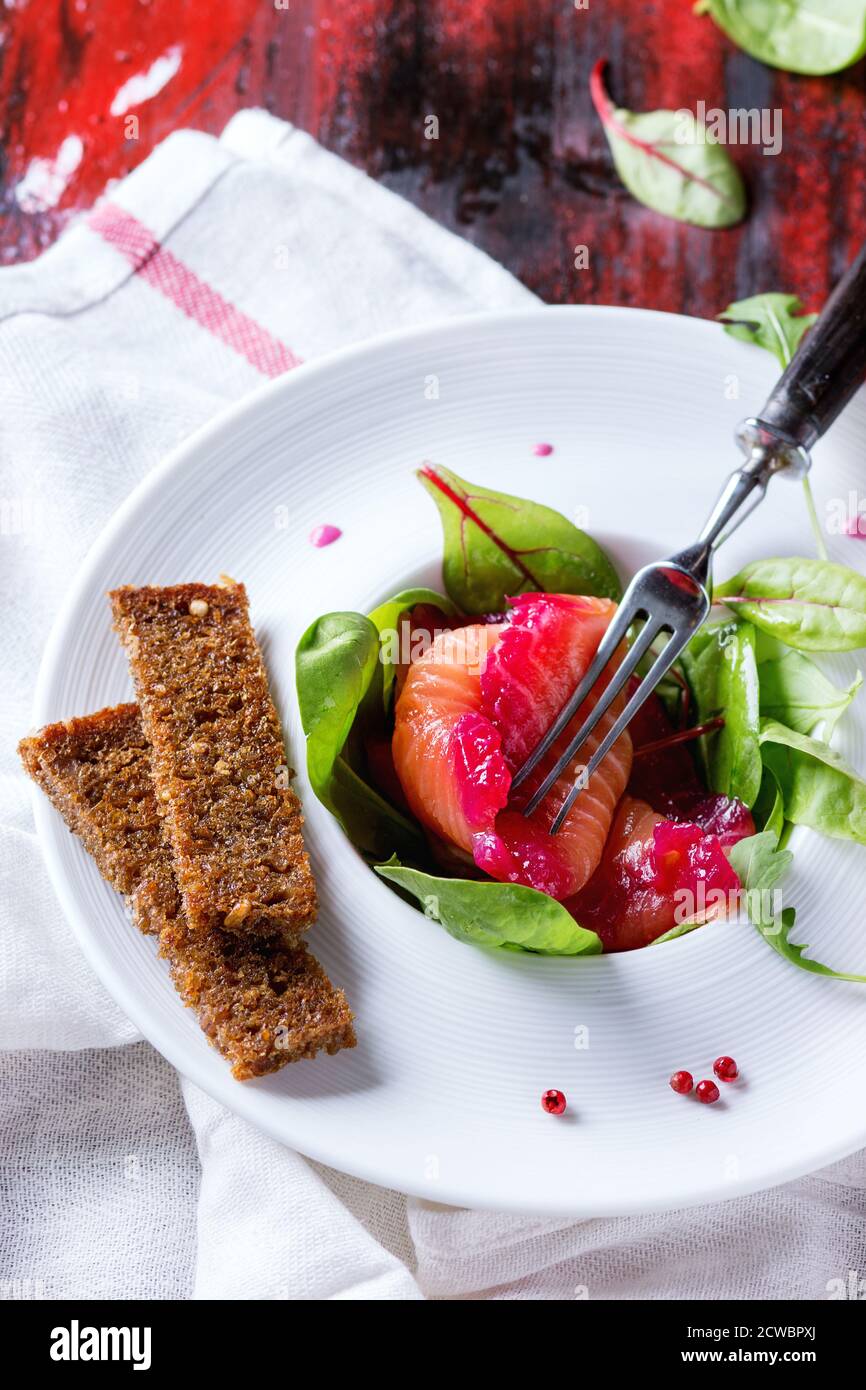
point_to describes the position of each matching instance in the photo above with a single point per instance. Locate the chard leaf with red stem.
(669, 161)
(496, 545)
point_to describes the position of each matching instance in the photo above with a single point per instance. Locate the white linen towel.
(216, 264)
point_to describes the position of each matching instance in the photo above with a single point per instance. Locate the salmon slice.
(447, 755)
(472, 708)
(655, 874)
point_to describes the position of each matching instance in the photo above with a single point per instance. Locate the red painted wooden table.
(521, 166)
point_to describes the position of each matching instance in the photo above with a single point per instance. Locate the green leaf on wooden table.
(772, 321)
(818, 787)
(670, 162)
(808, 36)
(483, 913)
(496, 545)
(812, 605)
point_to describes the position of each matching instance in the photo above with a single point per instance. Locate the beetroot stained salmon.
(654, 874)
(472, 707)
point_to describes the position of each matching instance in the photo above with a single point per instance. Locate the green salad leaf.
(818, 787)
(768, 811)
(758, 862)
(386, 619)
(668, 162)
(496, 545)
(796, 693)
(337, 669)
(777, 933)
(812, 605)
(681, 929)
(721, 669)
(809, 36)
(760, 866)
(735, 753)
(772, 321)
(495, 914)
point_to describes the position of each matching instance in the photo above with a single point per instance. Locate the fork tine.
(605, 650)
(669, 653)
(645, 637)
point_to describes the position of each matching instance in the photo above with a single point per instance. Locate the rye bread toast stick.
(260, 1004)
(231, 819)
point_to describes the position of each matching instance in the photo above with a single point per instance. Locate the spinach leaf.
(721, 670)
(795, 693)
(497, 545)
(735, 754)
(818, 787)
(495, 914)
(812, 605)
(768, 811)
(386, 619)
(772, 321)
(666, 160)
(809, 36)
(336, 668)
(760, 867)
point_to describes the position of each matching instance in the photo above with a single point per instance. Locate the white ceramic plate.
(441, 1096)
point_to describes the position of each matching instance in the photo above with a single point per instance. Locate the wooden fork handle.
(827, 368)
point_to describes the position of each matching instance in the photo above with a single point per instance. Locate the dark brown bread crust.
(74, 762)
(232, 820)
(261, 1005)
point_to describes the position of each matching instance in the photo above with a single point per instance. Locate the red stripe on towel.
(204, 305)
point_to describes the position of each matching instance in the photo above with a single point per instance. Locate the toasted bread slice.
(219, 768)
(261, 1004)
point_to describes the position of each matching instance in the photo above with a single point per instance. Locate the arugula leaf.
(760, 867)
(337, 666)
(495, 914)
(796, 693)
(778, 934)
(818, 787)
(808, 36)
(666, 160)
(497, 545)
(812, 605)
(758, 863)
(681, 929)
(772, 321)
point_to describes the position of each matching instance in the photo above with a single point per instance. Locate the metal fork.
(673, 596)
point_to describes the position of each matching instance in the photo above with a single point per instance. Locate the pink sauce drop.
(542, 450)
(325, 535)
(856, 527)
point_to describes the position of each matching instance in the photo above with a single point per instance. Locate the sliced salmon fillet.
(474, 705)
(654, 874)
(446, 754)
